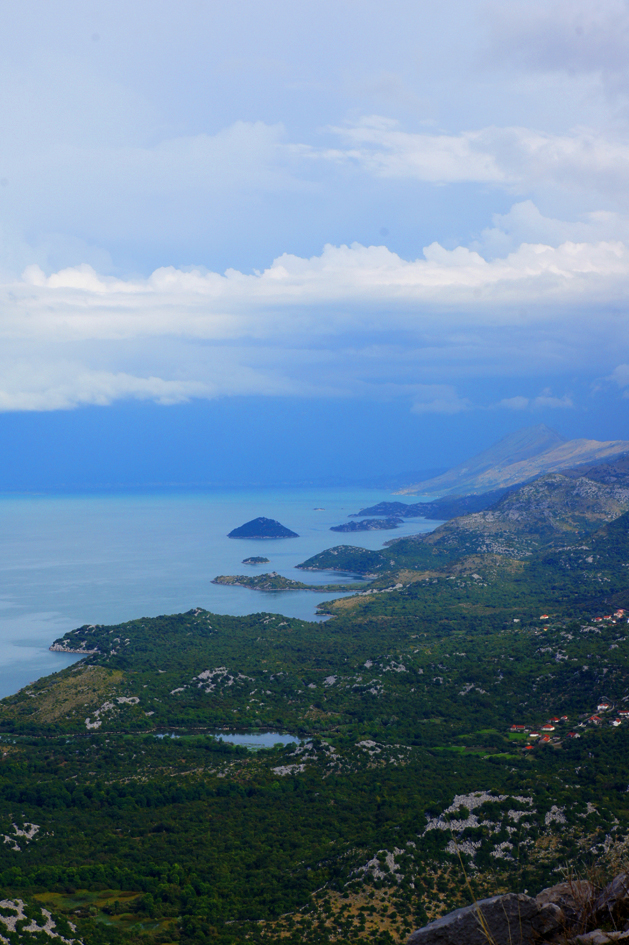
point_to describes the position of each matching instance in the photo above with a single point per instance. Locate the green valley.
(467, 708)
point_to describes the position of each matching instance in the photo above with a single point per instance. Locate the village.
(552, 731)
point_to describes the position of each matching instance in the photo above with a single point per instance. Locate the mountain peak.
(517, 458)
(513, 448)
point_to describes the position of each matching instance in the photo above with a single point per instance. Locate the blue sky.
(412, 216)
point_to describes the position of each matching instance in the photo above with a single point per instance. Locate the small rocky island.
(262, 528)
(277, 582)
(256, 559)
(367, 525)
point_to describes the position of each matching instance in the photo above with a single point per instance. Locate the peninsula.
(272, 581)
(368, 524)
(463, 712)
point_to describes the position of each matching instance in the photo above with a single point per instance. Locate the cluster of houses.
(617, 615)
(544, 733)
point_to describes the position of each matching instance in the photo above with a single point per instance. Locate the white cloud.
(63, 386)
(439, 398)
(515, 403)
(516, 158)
(353, 321)
(353, 284)
(545, 400)
(525, 224)
(379, 146)
(620, 375)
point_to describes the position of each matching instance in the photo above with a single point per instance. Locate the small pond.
(259, 740)
(248, 740)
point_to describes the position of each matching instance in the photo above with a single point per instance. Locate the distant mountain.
(439, 509)
(552, 512)
(518, 458)
(549, 508)
(262, 528)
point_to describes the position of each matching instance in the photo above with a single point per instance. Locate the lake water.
(70, 560)
(252, 740)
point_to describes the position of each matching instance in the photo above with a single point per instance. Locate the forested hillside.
(467, 708)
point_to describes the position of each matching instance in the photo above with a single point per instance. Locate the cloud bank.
(352, 321)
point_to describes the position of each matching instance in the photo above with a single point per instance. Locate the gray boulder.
(613, 903)
(502, 920)
(576, 901)
(597, 937)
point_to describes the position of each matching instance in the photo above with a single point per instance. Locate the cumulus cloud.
(524, 223)
(353, 321)
(354, 284)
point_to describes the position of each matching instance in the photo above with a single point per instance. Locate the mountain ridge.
(516, 459)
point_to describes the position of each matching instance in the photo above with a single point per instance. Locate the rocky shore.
(60, 648)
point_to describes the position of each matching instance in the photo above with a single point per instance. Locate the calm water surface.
(70, 560)
(249, 740)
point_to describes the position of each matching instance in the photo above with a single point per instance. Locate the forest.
(418, 713)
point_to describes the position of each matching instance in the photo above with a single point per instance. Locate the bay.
(67, 560)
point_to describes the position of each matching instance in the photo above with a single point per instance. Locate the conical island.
(262, 528)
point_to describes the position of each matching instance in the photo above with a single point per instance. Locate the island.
(262, 528)
(466, 710)
(256, 559)
(367, 525)
(272, 581)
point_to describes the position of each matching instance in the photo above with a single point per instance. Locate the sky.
(358, 238)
